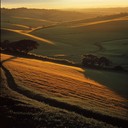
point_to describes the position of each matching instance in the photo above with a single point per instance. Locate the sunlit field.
(64, 84)
(49, 94)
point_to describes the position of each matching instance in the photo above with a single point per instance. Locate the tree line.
(92, 60)
(102, 62)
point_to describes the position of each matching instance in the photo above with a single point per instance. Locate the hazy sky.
(64, 3)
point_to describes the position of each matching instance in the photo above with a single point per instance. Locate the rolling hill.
(60, 89)
(71, 40)
(44, 14)
(46, 94)
(88, 37)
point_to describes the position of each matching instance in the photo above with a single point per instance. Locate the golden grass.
(65, 83)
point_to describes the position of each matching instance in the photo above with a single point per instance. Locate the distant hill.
(52, 15)
(105, 11)
(98, 18)
(60, 15)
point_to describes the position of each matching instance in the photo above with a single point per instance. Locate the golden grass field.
(65, 84)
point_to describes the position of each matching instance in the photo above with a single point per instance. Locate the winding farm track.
(61, 105)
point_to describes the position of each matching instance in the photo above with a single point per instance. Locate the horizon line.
(65, 8)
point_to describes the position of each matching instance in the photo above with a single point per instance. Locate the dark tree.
(23, 46)
(93, 61)
(90, 60)
(5, 44)
(103, 61)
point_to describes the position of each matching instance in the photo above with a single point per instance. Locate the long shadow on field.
(117, 82)
(62, 105)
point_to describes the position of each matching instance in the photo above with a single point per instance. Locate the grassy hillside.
(9, 35)
(25, 22)
(71, 40)
(18, 110)
(62, 87)
(88, 37)
(46, 94)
